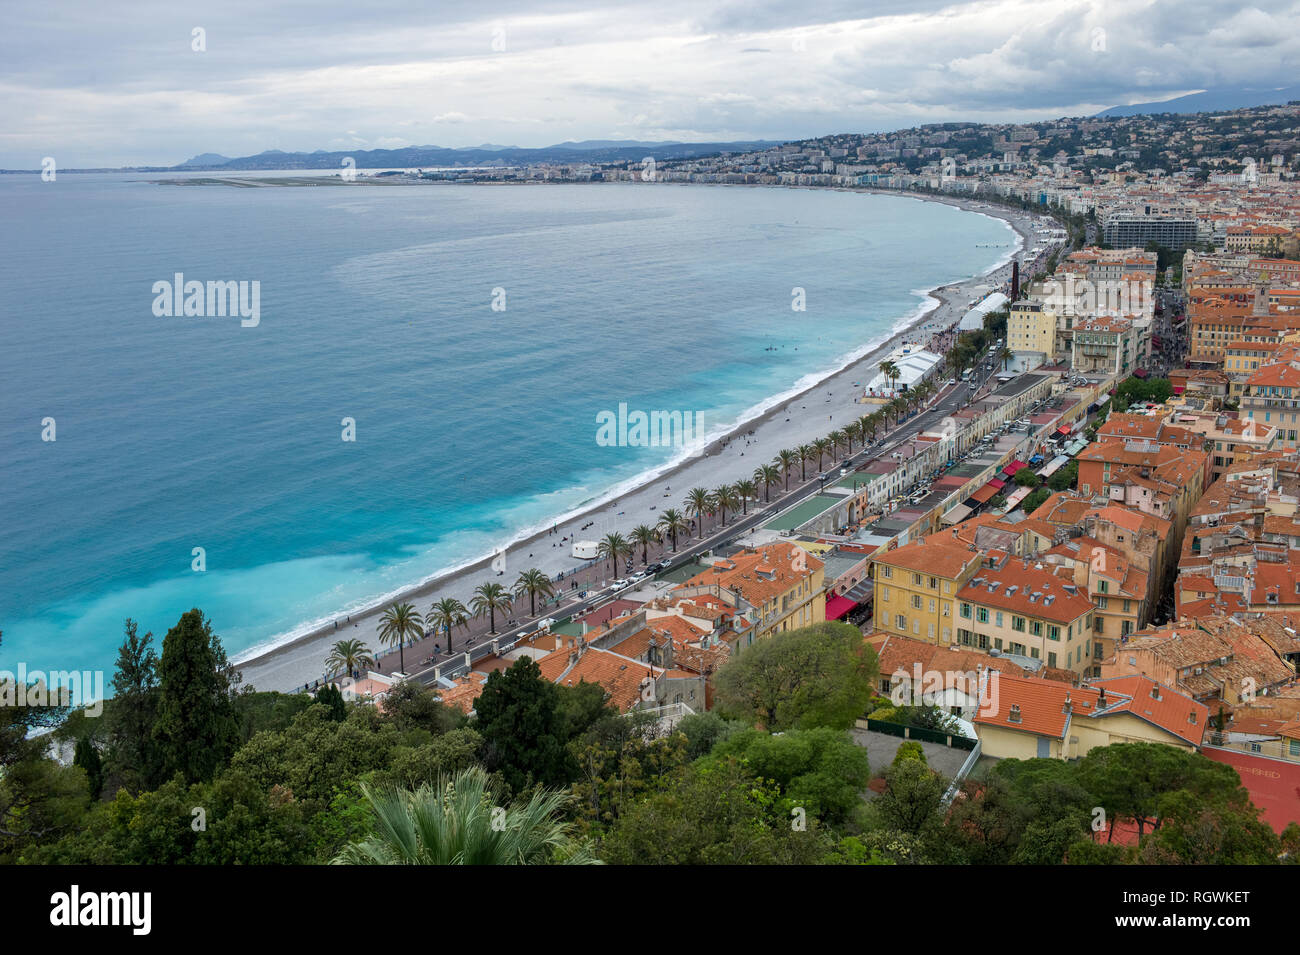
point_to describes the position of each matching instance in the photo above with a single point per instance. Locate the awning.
(1015, 497)
(1011, 469)
(1056, 464)
(957, 514)
(838, 606)
(1064, 429)
(998, 484)
(984, 494)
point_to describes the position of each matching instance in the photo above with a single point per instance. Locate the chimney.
(1101, 697)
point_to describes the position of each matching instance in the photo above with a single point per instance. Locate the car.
(622, 582)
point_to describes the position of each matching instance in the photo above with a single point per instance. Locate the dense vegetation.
(187, 766)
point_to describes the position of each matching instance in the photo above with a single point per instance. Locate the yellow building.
(1027, 718)
(915, 588)
(1031, 327)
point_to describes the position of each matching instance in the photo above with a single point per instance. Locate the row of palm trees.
(401, 622)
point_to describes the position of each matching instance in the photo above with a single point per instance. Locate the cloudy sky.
(108, 83)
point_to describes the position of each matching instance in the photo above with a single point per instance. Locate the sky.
(96, 83)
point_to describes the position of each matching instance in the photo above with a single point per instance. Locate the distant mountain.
(1210, 101)
(592, 151)
(205, 159)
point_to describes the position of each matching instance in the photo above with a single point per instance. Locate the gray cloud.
(117, 83)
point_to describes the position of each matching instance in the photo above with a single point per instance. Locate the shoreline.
(299, 658)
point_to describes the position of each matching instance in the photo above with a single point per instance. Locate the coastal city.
(684, 486)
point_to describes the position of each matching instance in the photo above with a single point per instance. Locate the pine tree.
(197, 729)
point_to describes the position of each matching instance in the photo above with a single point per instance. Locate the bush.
(910, 749)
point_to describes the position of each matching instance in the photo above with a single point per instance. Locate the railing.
(962, 773)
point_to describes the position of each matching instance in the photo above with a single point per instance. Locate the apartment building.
(783, 583)
(916, 585)
(1271, 398)
(1016, 606)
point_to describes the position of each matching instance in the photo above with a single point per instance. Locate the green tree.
(767, 475)
(643, 535)
(698, 503)
(331, 698)
(446, 614)
(398, 624)
(460, 822)
(196, 729)
(488, 599)
(349, 656)
(132, 754)
(673, 522)
(522, 727)
(614, 546)
(821, 675)
(533, 583)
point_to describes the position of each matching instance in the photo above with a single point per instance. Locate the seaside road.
(949, 399)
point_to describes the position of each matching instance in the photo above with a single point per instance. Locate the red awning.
(1063, 429)
(837, 606)
(997, 484)
(1013, 467)
(984, 493)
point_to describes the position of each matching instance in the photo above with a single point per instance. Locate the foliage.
(461, 822)
(821, 675)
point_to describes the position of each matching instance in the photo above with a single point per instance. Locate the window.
(965, 610)
(901, 622)
(887, 570)
(934, 583)
(916, 602)
(999, 618)
(1053, 632)
(1018, 623)
(884, 594)
(982, 614)
(1051, 660)
(1103, 586)
(916, 579)
(1036, 628)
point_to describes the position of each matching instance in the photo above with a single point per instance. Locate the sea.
(421, 385)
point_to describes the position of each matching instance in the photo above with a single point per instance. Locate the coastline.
(779, 421)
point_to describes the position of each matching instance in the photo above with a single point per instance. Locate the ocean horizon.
(473, 425)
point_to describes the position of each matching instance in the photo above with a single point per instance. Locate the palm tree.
(747, 490)
(785, 460)
(805, 452)
(853, 432)
(460, 822)
(767, 475)
(821, 446)
(488, 599)
(673, 522)
(614, 545)
(534, 582)
(698, 503)
(725, 497)
(837, 438)
(400, 621)
(447, 613)
(645, 535)
(890, 371)
(1005, 355)
(349, 656)
(870, 425)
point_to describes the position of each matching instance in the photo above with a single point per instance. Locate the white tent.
(974, 319)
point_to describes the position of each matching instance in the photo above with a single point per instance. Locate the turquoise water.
(472, 425)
